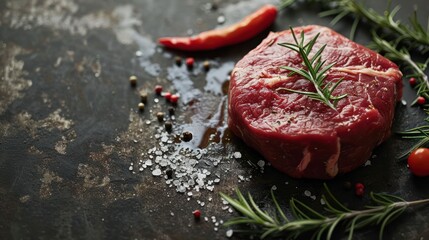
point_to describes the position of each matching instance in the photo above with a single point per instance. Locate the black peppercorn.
(160, 116)
(187, 136)
(168, 126)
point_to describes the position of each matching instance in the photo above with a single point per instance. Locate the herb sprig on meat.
(314, 70)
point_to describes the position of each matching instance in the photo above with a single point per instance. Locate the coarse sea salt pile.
(182, 167)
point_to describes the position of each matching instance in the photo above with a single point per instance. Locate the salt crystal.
(261, 163)
(217, 180)
(322, 201)
(221, 19)
(189, 194)
(236, 155)
(148, 163)
(274, 187)
(206, 219)
(181, 189)
(215, 229)
(229, 233)
(130, 168)
(141, 169)
(163, 163)
(307, 193)
(156, 172)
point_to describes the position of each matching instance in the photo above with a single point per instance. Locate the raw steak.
(303, 137)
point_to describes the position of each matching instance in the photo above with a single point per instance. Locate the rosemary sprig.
(401, 55)
(414, 35)
(305, 219)
(420, 133)
(314, 71)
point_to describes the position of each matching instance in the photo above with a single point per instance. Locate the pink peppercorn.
(190, 62)
(167, 96)
(197, 214)
(421, 100)
(158, 89)
(174, 98)
(412, 82)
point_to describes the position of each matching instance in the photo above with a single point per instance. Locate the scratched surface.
(70, 128)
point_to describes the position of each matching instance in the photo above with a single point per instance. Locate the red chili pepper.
(236, 33)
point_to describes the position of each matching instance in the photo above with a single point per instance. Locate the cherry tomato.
(418, 162)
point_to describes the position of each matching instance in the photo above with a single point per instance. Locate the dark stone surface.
(70, 127)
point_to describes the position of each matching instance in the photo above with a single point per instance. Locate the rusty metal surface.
(70, 127)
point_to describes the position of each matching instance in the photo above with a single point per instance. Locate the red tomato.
(418, 161)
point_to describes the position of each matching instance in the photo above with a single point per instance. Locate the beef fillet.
(303, 137)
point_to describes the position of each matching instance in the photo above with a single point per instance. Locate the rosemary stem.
(416, 68)
(353, 214)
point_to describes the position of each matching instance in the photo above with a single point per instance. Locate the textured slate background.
(69, 127)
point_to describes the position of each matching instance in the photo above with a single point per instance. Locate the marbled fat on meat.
(303, 137)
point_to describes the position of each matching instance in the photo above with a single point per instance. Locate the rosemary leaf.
(312, 71)
(305, 219)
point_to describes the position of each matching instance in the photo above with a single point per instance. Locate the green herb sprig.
(307, 220)
(414, 34)
(401, 55)
(420, 133)
(314, 71)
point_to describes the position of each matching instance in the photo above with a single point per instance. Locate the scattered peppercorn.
(174, 99)
(141, 106)
(160, 116)
(178, 60)
(158, 89)
(206, 65)
(412, 82)
(169, 173)
(186, 136)
(421, 100)
(133, 81)
(190, 62)
(143, 96)
(197, 214)
(168, 126)
(359, 189)
(171, 110)
(167, 96)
